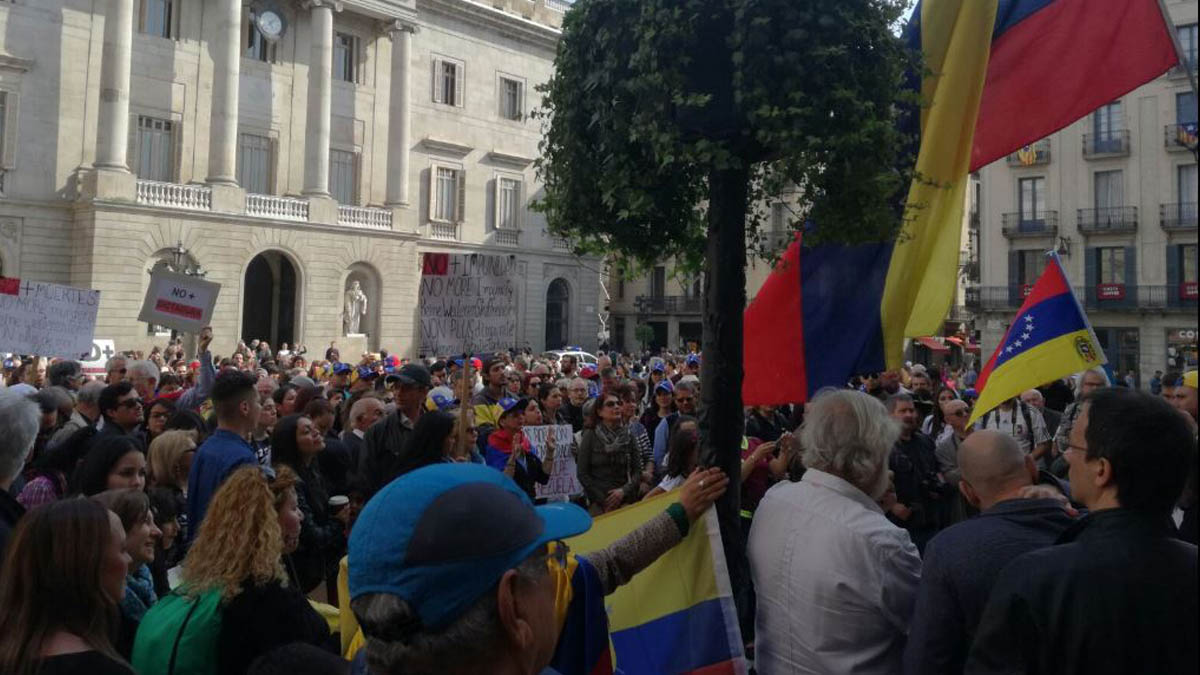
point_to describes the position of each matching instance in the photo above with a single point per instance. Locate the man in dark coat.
(1118, 593)
(385, 441)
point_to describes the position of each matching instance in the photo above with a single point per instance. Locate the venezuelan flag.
(677, 615)
(1049, 338)
(1003, 74)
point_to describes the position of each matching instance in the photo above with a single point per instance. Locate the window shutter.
(460, 79)
(521, 102)
(131, 149)
(356, 198)
(461, 174)
(519, 206)
(1014, 277)
(498, 197)
(433, 171)
(11, 106)
(176, 151)
(1090, 259)
(501, 86)
(1173, 275)
(437, 81)
(1131, 276)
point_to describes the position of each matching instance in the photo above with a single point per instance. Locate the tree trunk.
(722, 421)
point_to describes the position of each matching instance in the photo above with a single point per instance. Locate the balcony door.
(1032, 202)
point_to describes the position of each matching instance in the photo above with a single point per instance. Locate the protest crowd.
(268, 512)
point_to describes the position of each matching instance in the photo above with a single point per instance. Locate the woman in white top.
(683, 453)
(935, 425)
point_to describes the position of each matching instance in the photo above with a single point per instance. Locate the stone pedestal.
(228, 199)
(109, 185)
(322, 209)
(352, 347)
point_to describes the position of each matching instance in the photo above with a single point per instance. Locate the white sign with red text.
(179, 301)
(44, 319)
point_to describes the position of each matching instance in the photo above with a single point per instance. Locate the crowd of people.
(213, 513)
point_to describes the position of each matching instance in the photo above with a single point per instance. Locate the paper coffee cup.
(337, 502)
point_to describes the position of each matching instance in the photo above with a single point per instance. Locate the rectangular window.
(345, 57)
(343, 176)
(1107, 121)
(4, 149)
(1109, 189)
(1187, 41)
(1032, 199)
(258, 47)
(448, 80)
(512, 99)
(155, 152)
(508, 203)
(156, 17)
(254, 163)
(1187, 263)
(658, 283)
(445, 197)
(1185, 107)
(1186, 177)
(621, 288)
(1112, 265)
(1030, 265)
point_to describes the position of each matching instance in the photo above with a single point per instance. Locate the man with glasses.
(577, 396)
(1118, 591)
(121, 408)
(114, 369)
(685, 404)
(962, 562)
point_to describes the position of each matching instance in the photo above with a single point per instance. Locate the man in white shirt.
(1021, 421)
(836, 581)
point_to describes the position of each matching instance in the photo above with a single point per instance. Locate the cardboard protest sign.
(179, 301)
(564, 481)
(46, 319)
(468, 303)
(102, 351)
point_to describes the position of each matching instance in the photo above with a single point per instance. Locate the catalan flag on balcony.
(677, 615)
(1186, 134)
(1027, 156)
(1049, 338)
(1003, 74)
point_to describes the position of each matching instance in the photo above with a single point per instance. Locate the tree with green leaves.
(669, 125)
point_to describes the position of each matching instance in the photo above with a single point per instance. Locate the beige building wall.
(63, 220)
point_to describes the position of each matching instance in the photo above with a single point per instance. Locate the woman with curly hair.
(238, 554)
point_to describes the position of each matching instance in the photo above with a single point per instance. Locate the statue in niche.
(356, 308)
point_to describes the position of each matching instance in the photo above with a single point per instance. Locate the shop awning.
(933, 345)
(954, 341)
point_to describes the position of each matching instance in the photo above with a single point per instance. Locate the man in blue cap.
(452, 569)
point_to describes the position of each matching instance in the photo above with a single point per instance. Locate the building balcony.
(367, 217)
(1018, 226)
(277, 208)
(1108, 144)
(1109, 220)
(443, 231)
(506, 237)
(1177, 216)
(668, 304)
(1180, 137)
(1036, 154)
(972, 298)
(1123, 297)
(1181, 70)
(174, 195)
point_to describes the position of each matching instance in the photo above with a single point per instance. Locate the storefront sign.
(1188, 291)
(1181, 348)
(1110, 291)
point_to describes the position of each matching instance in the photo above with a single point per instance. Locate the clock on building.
(270, 23)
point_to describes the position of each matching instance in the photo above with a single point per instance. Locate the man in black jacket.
(385, 442)
(1118, 593)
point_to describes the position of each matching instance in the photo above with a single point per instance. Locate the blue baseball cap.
(367, 373)
(443, 535)
(692, 360)
(339, 368)
(440, 398)
(666, 386)
(658, 367)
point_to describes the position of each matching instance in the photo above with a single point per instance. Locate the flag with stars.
(1049, 338)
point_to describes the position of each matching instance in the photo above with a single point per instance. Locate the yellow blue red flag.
(1049, 338)
(677, 615)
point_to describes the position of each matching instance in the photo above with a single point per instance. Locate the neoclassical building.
(287, 149)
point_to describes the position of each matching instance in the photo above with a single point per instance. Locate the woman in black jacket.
(295, 443)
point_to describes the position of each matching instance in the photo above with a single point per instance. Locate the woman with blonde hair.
(236, 564)
(170, 459)
(65, 575)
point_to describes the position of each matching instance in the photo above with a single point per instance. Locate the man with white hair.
(19, 420)
(87, 412)
(366, 411)
(1036, 400)
(836, 581)
(144, 375)
(114, 369)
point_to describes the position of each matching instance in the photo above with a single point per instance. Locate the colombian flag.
(677, 615)
(1049, 338)
(1003, 74)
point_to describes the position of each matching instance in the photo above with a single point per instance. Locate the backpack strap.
(1028, 424)
(179, 637)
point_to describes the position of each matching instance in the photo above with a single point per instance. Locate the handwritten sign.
(564, 481)
(46, 319)
(179, 301)
(468, 303)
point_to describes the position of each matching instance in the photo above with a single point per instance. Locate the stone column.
(112, 139)
(320, 99)
(227, 59)
(400, 114)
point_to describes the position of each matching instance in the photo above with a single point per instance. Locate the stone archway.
(558, 314)
(270, 291)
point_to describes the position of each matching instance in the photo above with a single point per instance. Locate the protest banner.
(179, 301)
(564, 482)
(94, 361)
(468, 303)
(46, 319)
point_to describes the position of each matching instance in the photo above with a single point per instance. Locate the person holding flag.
(1049, 337)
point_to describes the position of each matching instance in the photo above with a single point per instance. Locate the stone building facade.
(289, 148)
